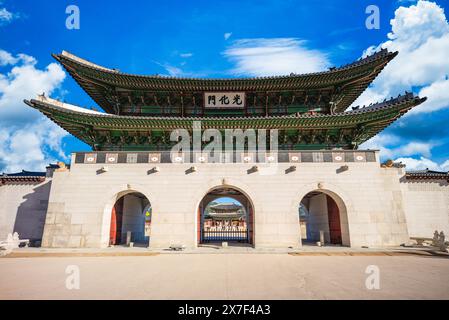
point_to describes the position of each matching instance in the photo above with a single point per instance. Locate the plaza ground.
(225, 276)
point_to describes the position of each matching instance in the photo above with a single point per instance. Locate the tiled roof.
(347, 82)
(25, 173)
(427, 175)
(370, 120)
(22, 177)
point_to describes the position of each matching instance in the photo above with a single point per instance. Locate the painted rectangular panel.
(111, 158)
(142, 157)
(201, 157)
(318, 157)
(90, 158)
(359, 157)
(131, 158)
(349, 157)
(101, 157)
(154, 158)
(224, 100)
(247, 157)
(306, 157)
(79, 158)
(338, 157)
(327, 157)
(271, 157)
(370, 157)
(295, 157)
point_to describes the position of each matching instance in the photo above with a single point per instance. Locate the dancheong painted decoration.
(310, 110)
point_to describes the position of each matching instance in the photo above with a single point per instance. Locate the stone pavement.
(306, 250)
(225, 276)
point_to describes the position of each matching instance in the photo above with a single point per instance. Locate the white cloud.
(6, 16)
(445, 165)
(227, 35)
(171, 70)
(390, 147)
(423, 163)
(414, 147)
(380, 142)
(186, 55)
(275, 56)
(27, 138)
(6, 58)
(29, 147)
(421, 35)
(437, 97)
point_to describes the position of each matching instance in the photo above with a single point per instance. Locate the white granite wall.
(426, 207)
(23, 208)
(81, 201)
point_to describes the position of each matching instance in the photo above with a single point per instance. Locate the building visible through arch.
(230, 221)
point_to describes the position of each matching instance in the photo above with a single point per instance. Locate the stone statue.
(435, 239)
(442, 242)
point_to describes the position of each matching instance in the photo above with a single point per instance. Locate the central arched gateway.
(225, 214)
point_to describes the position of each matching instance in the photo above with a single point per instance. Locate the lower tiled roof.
(427, 175)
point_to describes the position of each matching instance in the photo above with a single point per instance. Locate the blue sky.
(213, 39)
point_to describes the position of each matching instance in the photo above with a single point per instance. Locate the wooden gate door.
(115, 233)
(251, 225)
(199, 225)
(334, 221)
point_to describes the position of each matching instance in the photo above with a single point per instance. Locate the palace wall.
(426, 207)
(369, 197)
(23, 207)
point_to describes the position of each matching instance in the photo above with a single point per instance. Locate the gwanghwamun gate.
(160, 163)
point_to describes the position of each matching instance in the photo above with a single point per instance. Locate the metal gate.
(228, 235)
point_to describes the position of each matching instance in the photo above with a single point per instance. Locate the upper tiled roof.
(346, 83)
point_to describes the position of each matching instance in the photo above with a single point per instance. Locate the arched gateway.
(323, 212)
(225, 214)
(130, 217)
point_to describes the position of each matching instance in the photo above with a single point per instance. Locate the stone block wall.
(369, 198)
(23, 207)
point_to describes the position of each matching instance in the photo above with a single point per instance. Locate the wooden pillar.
(266, 104)
(115, 234)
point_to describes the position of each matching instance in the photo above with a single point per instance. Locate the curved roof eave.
(50, 106)
(100, 82)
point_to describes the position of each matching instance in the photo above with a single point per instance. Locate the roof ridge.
(87, 63)
(400, 98)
